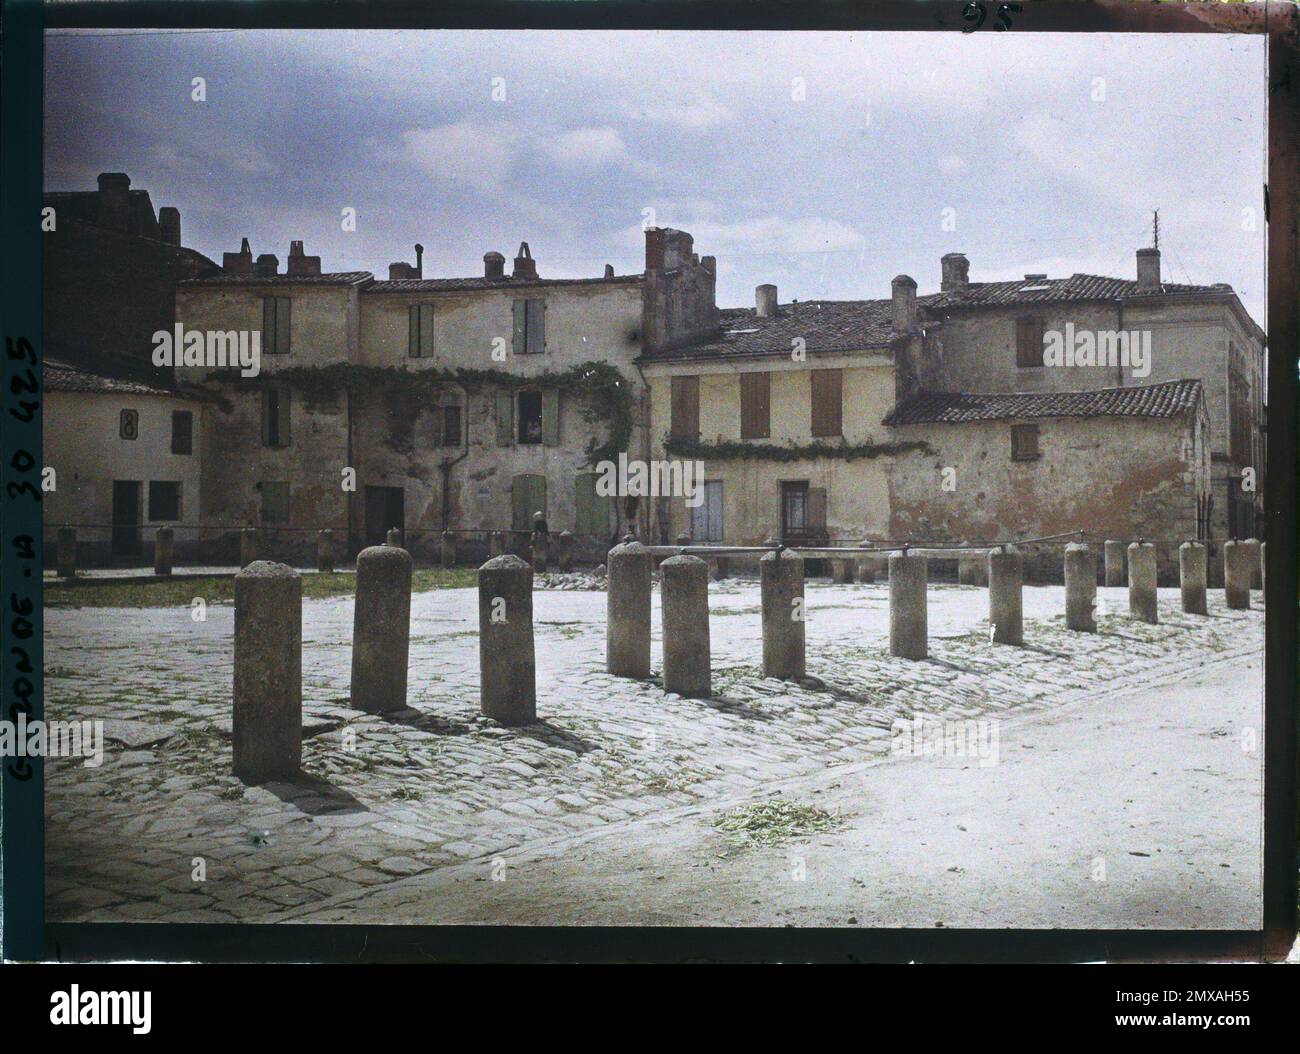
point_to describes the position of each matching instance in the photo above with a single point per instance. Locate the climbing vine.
(604, 390)
(733, 451)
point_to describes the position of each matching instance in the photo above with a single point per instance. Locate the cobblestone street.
(387, 800)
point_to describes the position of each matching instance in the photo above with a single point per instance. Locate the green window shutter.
(426, 331)
(551, 417)
(536, 327)
(285, 398)
(413, 330)
(505, 418)
(521, 327)
(268, 325)
(527, 496)
(592, 509)
(283, 312)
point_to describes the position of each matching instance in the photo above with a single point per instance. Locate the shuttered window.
(420, 344)
(1029, 342)
(594, 511)
(755, 405)
(706, 519)
(527, 496)
(276, 315)
(685, 408)
(505, 418)
(529, 327)
(1024, 442)
(827, 402)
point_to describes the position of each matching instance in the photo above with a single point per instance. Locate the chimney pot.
(1148, 270)
(903, 291)
(956, 273)
(266, 265)
(494, 265)
(525, 265)
(609, 270)
(419, 260)
(169, 225)
(114, 200)
(765, 301)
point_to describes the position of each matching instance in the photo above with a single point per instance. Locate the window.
(794, 508)
(685, 411)
(1024, 442)
(182, 432)
(706, 519)
(1029, 342)
(827, 402)
(128, 424)
(275, 417)
(275, 502)
(530, 418)
(530, 327)
(164, 501)
(421, 331)
(275, 325)
(755, 405)
(527, 496)
(594, 510)
(449, 434)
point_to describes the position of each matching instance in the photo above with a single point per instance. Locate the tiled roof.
(1050, 290)
(824, 325)
(332, 278)
(434, 285)
(1168, 399)
(60, 377)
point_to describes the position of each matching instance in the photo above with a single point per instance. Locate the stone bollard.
(66, 554)
(781, 584)
(564, 551)
(539, 552)
(447, 550)
(685, 599)
(381, 629)
(1006, 602)
(627, 610)
(1236, 575)
(266, 723)
(1256, 575)
(1114, 561)
(507, 663)
(865, 566)
(1191, 577)
(162, 551)
(842, 572)
(907, 606)
(247, 546)
(1080, 588)
(720, 568)
(496, 544)
(1142, 582)
(325, 551)
(394, 537)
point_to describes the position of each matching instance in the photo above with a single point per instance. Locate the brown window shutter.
(827, 402)
(755, 405)
(1024, 442)
(1029, 342)
(685, 408)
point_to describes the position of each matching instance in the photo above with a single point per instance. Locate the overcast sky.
(1052, 150)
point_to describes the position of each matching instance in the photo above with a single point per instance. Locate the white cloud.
(476, 155)
(587, 147)
(697, 114)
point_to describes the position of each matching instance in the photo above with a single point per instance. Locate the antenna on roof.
(1155, 229)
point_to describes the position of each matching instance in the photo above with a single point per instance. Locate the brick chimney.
(169, 225)
(240, 262)
(266, 265)
(494, 265)
(1148, 270)
(114, 200)
(609, 270)
(956, 273)
(765, 301)
(299, 263)
(419, 260)
(525, 265)
(903, 291)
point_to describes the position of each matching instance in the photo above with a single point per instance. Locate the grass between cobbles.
(181, 592)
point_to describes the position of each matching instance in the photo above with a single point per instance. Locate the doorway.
(126, 518)
(385, 509)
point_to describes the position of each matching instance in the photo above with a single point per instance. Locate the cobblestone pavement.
(386, 798)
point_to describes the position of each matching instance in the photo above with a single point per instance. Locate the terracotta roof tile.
(1168, 399)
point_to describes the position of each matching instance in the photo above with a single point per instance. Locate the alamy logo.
(924, 737)
(1099, 347)
(76, 1007)
(53, 739)
(214, 349)
(652, 479)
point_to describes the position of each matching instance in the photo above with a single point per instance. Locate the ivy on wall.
(738, 451)
(603, 389)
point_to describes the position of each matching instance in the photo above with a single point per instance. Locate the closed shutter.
(713, 502)
(1029, 342)
(283, 314)
(426, 331)
(755, 405)
(505, 418)
(536, 327)
(268, 325)
(520, 342)
(283, 406)
(816, 515)
(413, 330)
(551, 417)
(827, 402)
(685, 408)
(528, 495)
(593, 510)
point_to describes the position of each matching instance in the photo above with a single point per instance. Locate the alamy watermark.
(1099, 347)
(924, 737)
(213, 349)
(53, 739)
(631, 478)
